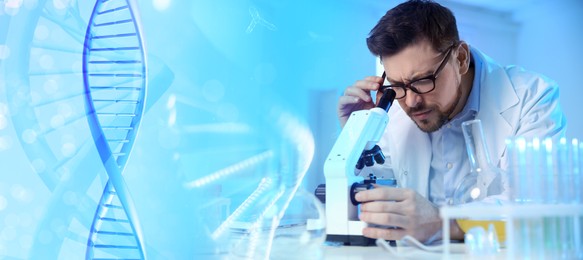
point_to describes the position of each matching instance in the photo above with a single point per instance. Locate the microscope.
(355, 148)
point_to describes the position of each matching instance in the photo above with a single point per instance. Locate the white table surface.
(375, 252)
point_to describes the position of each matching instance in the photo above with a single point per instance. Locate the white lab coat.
(513, 102)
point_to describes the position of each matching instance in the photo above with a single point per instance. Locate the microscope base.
(351, 240)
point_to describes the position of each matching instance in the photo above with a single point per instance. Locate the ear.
(463, 57)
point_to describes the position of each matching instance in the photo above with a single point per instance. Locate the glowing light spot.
(4, 143)
(176, 156)
(161, 5)
(13, 3)
(3, 203)
(213, 90)
(536, 144)
(39, 165)
(521, 144)
(29, 136)
(3, 122)
(548, 145)
(46, 62)
(4, 52)
(172, 117)
(51, 86)
(57, 121)
(475, 193)
(171, 101)
(11, 7)
(41, 32)
(68, 149)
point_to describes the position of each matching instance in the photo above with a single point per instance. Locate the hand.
(357, 97)
(406, 209)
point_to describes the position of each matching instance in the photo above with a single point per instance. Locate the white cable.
(415, 243)
(409, 240)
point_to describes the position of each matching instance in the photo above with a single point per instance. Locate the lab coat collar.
(497, 96)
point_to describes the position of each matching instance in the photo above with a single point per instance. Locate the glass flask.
(484, 179)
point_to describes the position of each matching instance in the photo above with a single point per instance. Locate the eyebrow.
(426, 74)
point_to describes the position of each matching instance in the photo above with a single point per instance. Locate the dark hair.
(411, 22)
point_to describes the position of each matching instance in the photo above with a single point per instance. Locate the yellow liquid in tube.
(499, 226)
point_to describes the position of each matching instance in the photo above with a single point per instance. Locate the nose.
(412, 99)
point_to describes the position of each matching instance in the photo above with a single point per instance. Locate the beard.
(437, 118)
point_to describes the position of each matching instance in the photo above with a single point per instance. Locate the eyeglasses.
(419, 86)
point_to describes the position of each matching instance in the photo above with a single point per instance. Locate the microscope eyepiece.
(387, 99)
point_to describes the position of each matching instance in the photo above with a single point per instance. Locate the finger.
(376, 79)
(368, 84)
(385, 219)
(383, 193)
(382, 206)
(384, 233)
(348, 100)
(357, 92)
(378, 96)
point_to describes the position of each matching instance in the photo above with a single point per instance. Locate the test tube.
(578, 225)
(577, 168)
(573, 189)
(564, 171)
(522, 174)
(549, 172)
(550, 223)
(565, 223)
(536, 196)
(537, 173)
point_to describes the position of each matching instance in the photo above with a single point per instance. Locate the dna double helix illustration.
(55, 47)
(114, 73)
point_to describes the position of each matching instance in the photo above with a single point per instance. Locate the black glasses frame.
(409, 85)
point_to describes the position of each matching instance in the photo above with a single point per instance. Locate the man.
(440, 82)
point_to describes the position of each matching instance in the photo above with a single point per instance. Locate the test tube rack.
(512, 214)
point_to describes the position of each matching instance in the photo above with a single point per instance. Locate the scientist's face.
(431, 110)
